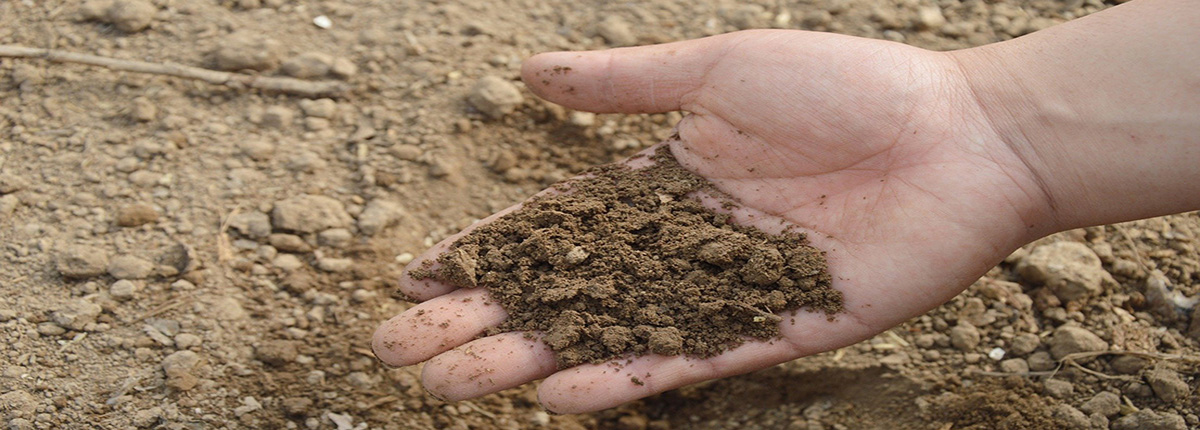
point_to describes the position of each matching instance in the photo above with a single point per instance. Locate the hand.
(879, 151)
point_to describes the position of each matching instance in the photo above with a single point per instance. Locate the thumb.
(644, 79)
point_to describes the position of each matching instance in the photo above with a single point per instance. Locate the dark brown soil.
(623, 261)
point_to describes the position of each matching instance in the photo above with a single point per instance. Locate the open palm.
(877, 150)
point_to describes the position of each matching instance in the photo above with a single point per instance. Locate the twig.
(233, 80)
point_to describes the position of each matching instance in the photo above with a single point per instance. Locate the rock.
(1024, 343)
(175, 259)
(335, 238)
(1167, 384)
(289, 243)
(1041, 361)
(257, 149)
(18, 403)
(187, 340)
(308, 213)
(122, 289)
(130, 267)
(379, 214)
(320, 108)
(1014, 365)
(307, 65)
(581, 119)
(287, 262)
(1070, 269)
(136, 214)
(335, 264)
(246, 50)
(1128, 364)
(50, 329)
(964, 337)
(94, 10)
(276, 352)
(343, 68)
(744, 16)
(1058, 388)
(226, 309)
(495, 97)
(1193, 330)
(180, 368)
(1103, 403)
(146, 418)
(130, 16)
(143, 110)
(252, 224)
(8, 204)
(1072, 339)
(406, 152)
(1073, 418)
(76, 314)
(11, 183)
(1146, 419)
(296, 406)
(616, 31)
(277, 117)
(78, 262)
(930, 18)
(816, 18)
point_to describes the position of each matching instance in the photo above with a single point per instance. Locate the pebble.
(79, 262)
(379, 214)
(7, 315)
(1127, 364)
(226, 309)
(964, 337)
(50, 329)
(130, 267)
(276, 352)
(335, 237)
(257, 149)
(405, 258)
(335, 264)
(277, 117)
(1071, 270)
(18, 403)
(136, 214)
(307, 65)
(744, 17)
(930, 18)
(76, 314)
(287, 262)
(1073, 339)
(179, 368)
(246, 50)
(1058, 388)
(289, 243)
(495, 97)
(1103, 403)
(1146, 419)
(541, 418)
(1041, 361)
(296, 406)
(320, 108)
(122, 289)
(616, 31)
(1167, 384)
(143, 110)
(309, 213)
(1071, 416)
(1014, 365)
(130, 16)
(1023, 344)
(405, 151)
(8, 204)
(343, 68)
(10, 183)
(187, 340)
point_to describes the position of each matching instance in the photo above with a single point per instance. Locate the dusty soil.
(183, 255)
(623, 260)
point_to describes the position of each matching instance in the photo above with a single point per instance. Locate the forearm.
(1105, 110)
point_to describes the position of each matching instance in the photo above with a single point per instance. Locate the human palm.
(877, 150)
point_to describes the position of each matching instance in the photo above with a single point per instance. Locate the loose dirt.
(625, 260)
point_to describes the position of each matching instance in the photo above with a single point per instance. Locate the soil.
(624, 261)
(223, 319)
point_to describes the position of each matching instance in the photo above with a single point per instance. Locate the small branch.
(292, 86)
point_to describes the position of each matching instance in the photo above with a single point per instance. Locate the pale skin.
(916, 171)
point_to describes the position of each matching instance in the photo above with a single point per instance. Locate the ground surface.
(259, 235)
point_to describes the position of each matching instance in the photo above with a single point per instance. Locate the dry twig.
(233, 80)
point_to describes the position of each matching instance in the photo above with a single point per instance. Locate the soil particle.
(136, 214)
(1058, 388)
(307, 65)
(1146, 419)
(130, 16)
(247, 51)
(309, 214)
(495, 96)
(1072, 339)
(620, 261)
(130, 267)
(180, 368)
(276, 352)
(76, 314)
(78, 262)
(1070, 269)
(964, 337)
(1104, 403)
(378, 215)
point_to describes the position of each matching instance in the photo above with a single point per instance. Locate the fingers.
(646, 79)
(594, 387)
(425, 289)
(487, 365)
(435, 326)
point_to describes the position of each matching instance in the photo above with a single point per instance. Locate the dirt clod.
(621, 261)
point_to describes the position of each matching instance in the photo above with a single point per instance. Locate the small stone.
(308, 213)
(335, 237)
(1103, 403)
(1073, 418)
(276, 352)
(1058, 388)
(1128, 364)
(307, 65)
(343, 68)
(495, 97)
(541, 418)
(320, 108)
(1167, 384)
(179, 368)
(287, 262)
(335, 264)
(964, 337)
(11, 183)
(277, 117)
(7, 315)
(1147, 419)
(930, 18)
(297, 406)
(146, 418)
(289, 243)
(226, 309)
(122, 289)
(78, 262)
(1041, 361)
(1072, 339)
(1070, 269)
(379, 214)
(50, 329)
(8, 204)
(406, 152)
(1024, 343)
(405, 258)
(143, 110)
(136, 214)
(816, 18)
(76, 314)
(130, 16)
(744, 16)
(257, 149)
(130, 267)
(581, 119)
(247, 50)
(18, 403)
(187, 340)
(1014, 365)
(616, 31)
(94, 10)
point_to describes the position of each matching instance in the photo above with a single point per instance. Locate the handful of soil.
(623, 261)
